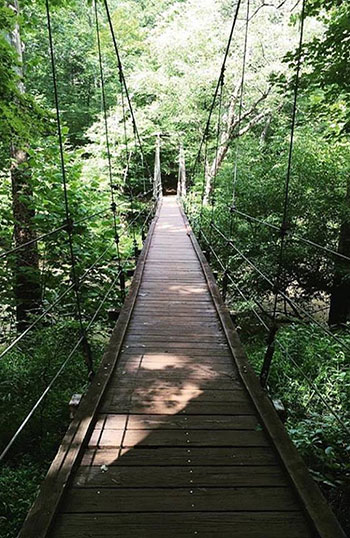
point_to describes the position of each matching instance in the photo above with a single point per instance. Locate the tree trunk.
(235, 127)
(339, 311)
(181, 183)
(157, 180)
(265, 131)
(27, 289)
(208, 188)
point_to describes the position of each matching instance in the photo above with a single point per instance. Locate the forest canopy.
(161, 90)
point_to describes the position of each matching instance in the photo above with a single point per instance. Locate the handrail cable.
(104, 106)
(71, 287)
(28, 243)
(85, 343)
(292, 236)
(52, 232)
(52, 305)
(120, 67)
(288, 299)
(291, 359)
(227, 273)
(58, 373)
(285, 351)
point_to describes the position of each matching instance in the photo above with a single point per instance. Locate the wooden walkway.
(183, 442)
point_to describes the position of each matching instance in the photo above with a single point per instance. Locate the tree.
(329, 58)
(27, 289)
(235, 126)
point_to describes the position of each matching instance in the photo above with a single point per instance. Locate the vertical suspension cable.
(124, 85)
(242, 84)
(235, 171)
(69, 224)
(204, 140)
(109, 159)
(227, 50)
(213, 179)
(218, 135)
(204, 181)
(124, 120)
(126, 182)
(284, 225)
(120, 66)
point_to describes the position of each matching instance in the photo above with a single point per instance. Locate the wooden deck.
(182, 442)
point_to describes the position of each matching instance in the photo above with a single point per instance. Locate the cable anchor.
(285, 228)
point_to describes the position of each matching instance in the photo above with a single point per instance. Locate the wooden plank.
(222, 456)
(159, 349)
(191, 438)
(167, 302)
(190, 363)
(138, 380)
(172, 407)
(170, 311)
(132, 341)
(163, 319)
(179, 476)
(173, 374)
(186, 525)
(155, 394)
(193, 499)
(192, 422)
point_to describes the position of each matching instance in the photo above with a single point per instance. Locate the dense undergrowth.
(315, 365)
(25, 374)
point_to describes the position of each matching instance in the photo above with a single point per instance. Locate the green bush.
(24, 374)
(320, 439)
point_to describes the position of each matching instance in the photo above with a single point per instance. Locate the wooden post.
(181, 181)
(157, 182)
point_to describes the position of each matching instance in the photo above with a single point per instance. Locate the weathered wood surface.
(178, 446)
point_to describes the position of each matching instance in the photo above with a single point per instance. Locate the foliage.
(24, 374)
(21, 486)
(320, 366)
(172, 52)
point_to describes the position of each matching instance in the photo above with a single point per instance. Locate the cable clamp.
(116, 238)
(275, 289)
(284, 229)
(69, 225)
(75, 284)
(113, 207)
